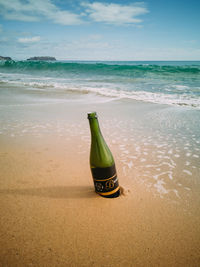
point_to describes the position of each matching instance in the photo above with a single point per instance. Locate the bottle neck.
(94, 128)
(100, 155)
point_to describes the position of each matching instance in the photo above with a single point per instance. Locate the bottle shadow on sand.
(54, 192)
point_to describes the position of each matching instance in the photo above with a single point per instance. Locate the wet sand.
(50, 214)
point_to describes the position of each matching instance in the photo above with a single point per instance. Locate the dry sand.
(51, 216)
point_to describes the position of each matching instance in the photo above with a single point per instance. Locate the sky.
(100, 30)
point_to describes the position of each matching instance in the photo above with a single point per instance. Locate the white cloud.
(34, 10)
(19, 16)
(16, 10)
(115, 13)
(29, 40)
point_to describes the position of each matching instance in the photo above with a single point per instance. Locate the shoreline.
(173, 84)
(152, 136)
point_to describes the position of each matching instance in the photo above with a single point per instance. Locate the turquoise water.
(172, 83)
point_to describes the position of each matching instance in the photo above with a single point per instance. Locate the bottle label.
(105, 180)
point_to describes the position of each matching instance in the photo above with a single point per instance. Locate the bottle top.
(92, 115)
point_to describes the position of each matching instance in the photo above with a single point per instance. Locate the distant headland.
(5, 58)
(32, 58)
(43, 58)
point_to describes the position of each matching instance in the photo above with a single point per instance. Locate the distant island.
(5, 58)
(43, 58)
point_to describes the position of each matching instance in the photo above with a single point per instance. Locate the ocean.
(162, 82)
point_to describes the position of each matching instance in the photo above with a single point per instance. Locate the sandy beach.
(50, 214)
(137, 65)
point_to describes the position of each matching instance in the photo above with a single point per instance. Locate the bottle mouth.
(92, 115)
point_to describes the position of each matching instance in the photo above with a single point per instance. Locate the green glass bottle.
(101, 162)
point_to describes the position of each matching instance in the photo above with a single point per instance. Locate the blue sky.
(101, 30)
